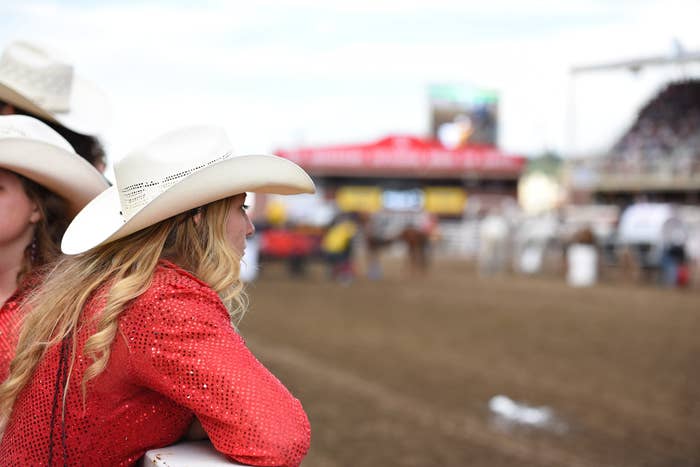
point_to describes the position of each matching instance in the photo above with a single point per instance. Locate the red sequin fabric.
(175, 356)
(9, 327)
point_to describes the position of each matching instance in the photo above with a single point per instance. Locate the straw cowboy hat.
(179, 171)
(34, 150)
(38, 81)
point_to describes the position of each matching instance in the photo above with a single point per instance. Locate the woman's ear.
(197, 218)
(35, 216)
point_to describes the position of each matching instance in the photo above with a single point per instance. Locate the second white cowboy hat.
(37, 80)
(34, 150)
(179, 171)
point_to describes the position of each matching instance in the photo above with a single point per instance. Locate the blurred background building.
(454, 181)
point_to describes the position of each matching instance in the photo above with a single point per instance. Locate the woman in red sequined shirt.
(43, 182)
(131, 339)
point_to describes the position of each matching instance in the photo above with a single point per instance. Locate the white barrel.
(582, 263)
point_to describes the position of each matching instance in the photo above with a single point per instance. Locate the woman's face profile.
(238, 225)
(18, 213)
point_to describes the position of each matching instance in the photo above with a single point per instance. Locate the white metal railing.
(187, 454)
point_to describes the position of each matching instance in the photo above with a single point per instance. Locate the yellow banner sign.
(445, 200)
(359, 198)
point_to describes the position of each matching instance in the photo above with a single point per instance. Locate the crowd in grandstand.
(665, 137)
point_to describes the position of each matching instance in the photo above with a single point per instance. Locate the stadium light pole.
(571, 116)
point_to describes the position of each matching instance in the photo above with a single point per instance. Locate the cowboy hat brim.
(101, 221)
(64, 173)
(89, 108)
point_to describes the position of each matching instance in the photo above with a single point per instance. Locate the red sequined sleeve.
(183, 346)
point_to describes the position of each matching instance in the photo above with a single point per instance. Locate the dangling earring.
(32, 251)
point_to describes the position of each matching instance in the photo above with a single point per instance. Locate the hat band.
(134, 196)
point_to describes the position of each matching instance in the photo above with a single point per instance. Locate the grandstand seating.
(665, 137)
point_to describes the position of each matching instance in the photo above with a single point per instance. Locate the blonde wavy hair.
(195, 240)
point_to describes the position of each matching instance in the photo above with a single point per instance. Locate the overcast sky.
(282, 73)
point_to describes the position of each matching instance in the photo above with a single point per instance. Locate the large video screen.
(463, 114)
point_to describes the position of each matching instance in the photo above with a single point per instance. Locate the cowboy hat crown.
(38, 80)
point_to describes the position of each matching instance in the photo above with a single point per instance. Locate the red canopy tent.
(406, 156)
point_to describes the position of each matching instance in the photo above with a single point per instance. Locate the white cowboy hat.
(179, 171)
(38, 81)
(34, 150)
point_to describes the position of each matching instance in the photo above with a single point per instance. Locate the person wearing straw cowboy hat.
(36, 81)
(131, 336)
(43, 184)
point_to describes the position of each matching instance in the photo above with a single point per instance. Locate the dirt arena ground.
(400, 372)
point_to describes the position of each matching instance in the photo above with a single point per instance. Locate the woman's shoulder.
(175, 293)
(29, 283)
(170, 274)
